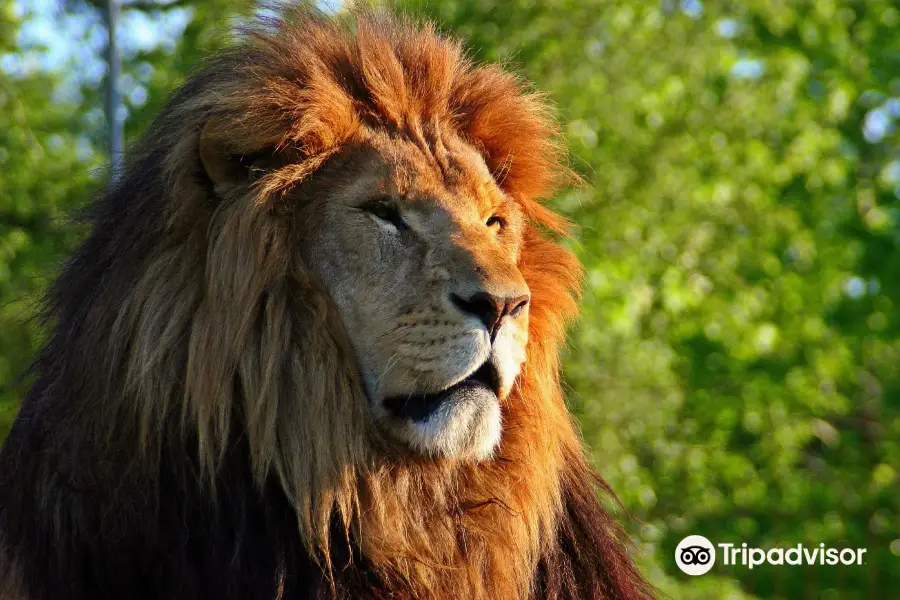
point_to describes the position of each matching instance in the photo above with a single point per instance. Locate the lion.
(310, 348)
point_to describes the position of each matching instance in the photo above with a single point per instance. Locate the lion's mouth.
(419, 407)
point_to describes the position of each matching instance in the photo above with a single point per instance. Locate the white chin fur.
(468, 428)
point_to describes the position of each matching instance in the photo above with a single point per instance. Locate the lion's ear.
(215, 157)
(233, 164)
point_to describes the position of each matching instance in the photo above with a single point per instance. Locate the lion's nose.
(490, 309)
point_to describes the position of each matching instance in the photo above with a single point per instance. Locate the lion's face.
(418, 250)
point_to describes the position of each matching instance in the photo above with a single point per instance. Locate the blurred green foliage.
(41, 176)
(735, 367)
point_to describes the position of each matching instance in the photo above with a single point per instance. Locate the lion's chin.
(462, 422)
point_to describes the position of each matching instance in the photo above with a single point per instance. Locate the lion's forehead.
(448, 173)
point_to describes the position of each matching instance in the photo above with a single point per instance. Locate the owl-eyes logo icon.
(695, 555)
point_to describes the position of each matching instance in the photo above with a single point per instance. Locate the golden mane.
(198, 327)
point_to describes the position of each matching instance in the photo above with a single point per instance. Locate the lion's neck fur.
(473, 531)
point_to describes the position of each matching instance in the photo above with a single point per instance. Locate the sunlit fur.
(192, 344)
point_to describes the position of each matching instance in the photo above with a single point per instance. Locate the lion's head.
(418, 247)
(408, 177)
(327, 264)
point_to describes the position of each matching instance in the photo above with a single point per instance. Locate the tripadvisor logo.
(696, 555)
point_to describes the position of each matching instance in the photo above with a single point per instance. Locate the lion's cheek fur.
(509, 353)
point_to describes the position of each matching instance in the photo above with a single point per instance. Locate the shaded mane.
(197, 417)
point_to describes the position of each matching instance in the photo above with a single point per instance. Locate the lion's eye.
(495, 222)
(386, 211)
